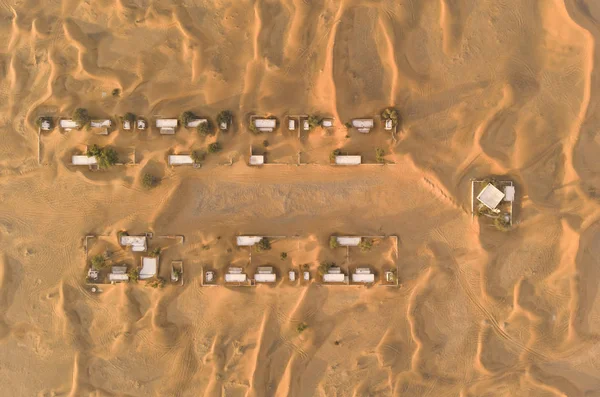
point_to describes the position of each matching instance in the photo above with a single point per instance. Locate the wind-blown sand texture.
(490, 87)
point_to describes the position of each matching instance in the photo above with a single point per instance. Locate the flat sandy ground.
(486, 87)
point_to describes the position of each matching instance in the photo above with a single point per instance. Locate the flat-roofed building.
(141, 124)
(490, 196)
(327, 123)
(68, 125)
(167, 126)
(195, 123)
(363, 275)
(180, 159)
(509, 193)
(389, 124)
(149, 267)
(101, 125)
(334, 275)
(118, 274)
(291, 124)
(235, 275)
(137, 243)
(348, 160)
(247, 241)
(348, 241)
(363, 125)
(257, 159)
(265, 274)
(265, 125)
(46, 125)
(127, 125)
(82, 159)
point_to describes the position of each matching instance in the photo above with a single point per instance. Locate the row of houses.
(236, 276)
(168, 126)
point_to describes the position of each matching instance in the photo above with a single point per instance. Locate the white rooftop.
(45, 125)
(180, 159)
(509, 193)
(195, 123)
(166, 123)
(126, 125)
(291, 124)
(347, 241)
(82, 159)
(389, 124)
(137, 243)
(257, 160)
(363, 275)
(334, 277)
(141, 124)
(247, 241)
(362, 123)
(149, 267)
(68, 124)
(348, 160)
(327, 123)
(490, 196)
(100, 123)
(265, 125)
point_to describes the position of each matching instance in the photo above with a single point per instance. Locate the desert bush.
(324, 267)
(214, 147)
(129, 117)
(301, 327)
(186, 117)
(348, 124)
(116, 92)
(379, 155)
(365, 244)
(121, 233)
(263, 245)
(157, 282)
(198, 156)
(502, 224)
(313, 121)
(106, 157)
(81, 117)
(206, 128)
(149, 181)
(155, 252)
(334, 153)
(333, 243)
(390, 114)
(134, 275)
(224, 116)
(266, 143)
(98, 262)
(283, 256)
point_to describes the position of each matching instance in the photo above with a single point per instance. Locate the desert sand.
(507, 88)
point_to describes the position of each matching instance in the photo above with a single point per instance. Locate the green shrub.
(214, 147)
(283, 256)
(379, 155)
(266, 143)
(263, 245)
(106, 157)
(206, 128)
(313, 121)
(502, 224)
(365, 244)
(186, 117)
(157, 282)
(81, 117)
(301, 327)
(348, 124)
(116, 92)
(334, 153)
(333, 243)
(121, 233)
(134, 275)
(155, 252)
(225, 116)
(149, 181)
(324, 267)
(98, 262)
(198, 156)
(129, 117)
(390, 114)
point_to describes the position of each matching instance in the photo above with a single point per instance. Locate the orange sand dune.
(483, 88)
